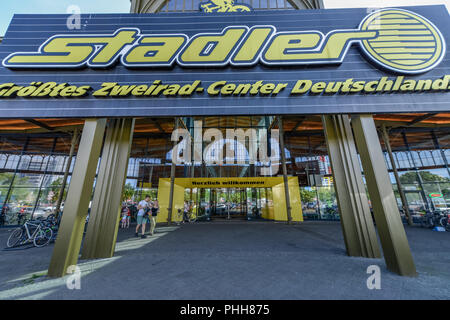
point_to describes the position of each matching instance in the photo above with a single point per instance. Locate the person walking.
(142, 216)
(154, 210)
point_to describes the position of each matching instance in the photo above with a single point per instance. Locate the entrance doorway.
(231, 203)
(230, 198)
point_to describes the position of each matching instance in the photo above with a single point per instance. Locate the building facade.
(266, 155)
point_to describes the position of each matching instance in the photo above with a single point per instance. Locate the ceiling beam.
(156, 123)
(40, 124)
(41, 130)
(420, 119)
(305, 133)
(298, 124)
(398, 130)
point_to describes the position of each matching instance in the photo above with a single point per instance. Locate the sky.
(329, 4)
(9, 7)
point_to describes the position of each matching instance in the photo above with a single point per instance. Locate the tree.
(5, 178)
(55, 187)
(128, 192)
(21, 191)
(307, 195)
(327, 195)
(427, 176)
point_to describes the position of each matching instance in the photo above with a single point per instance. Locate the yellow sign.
(225, 88)
(146, 185)
(254, 182)
(406, 42)
(275, 199)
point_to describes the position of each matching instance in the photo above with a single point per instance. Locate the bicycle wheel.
(15, 238)
(192, 217)
(443, 221)
(43, 237)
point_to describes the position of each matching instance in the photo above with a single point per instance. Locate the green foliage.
(446, 190)
(128, 192)
(153, 193)
(5, 178)
(20, 190)
(411, 177)
(307, 195)
(327, 195)
(55, 187)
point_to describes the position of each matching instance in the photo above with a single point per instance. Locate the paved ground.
(232, 260)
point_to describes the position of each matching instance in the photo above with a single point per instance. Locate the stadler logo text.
(393, 39)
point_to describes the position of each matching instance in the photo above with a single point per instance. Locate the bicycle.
(185, 217)
(53, 223)
(430, 219)
(190, 217)
(36, 232)
(445, 222)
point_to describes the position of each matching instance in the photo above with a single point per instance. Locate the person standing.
(124, 218)
(21, 216)
(128, 217)
(186, 212)
(154, 209)
(142, 216)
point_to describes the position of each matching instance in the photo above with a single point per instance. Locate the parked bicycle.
(190, 216)
(33, 231)
(432, 219)
(53, 223)
(185, 216)
(445, 222)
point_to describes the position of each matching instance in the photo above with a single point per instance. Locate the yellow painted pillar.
(356, 221)
(164, 198)
(394, 242)
(70, 234)
(279, 201)
(100, 239)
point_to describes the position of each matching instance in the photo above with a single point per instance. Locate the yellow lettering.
(292, 47)
(155, 50)
(252, 45)
(212, 88)
(75, 51)
(212, 49)
(301, 86)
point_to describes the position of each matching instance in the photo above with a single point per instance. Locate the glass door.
(415, 201)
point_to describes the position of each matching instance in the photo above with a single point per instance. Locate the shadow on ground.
(232, 260)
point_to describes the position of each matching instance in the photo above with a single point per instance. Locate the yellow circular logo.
(406, 42)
